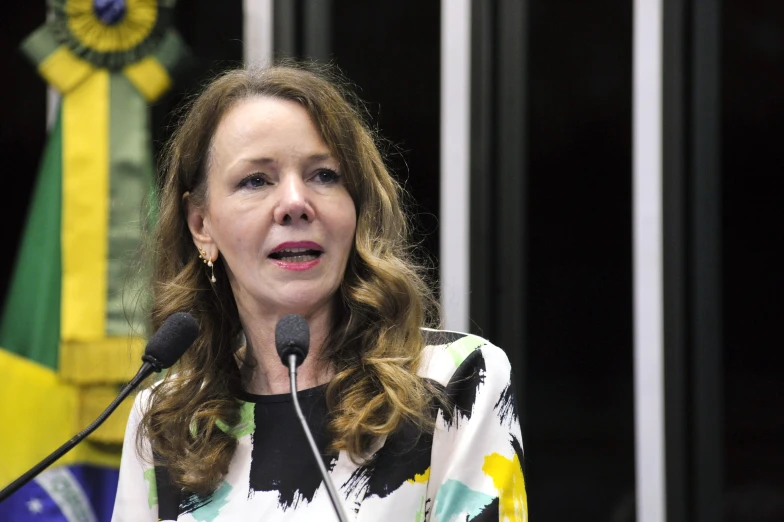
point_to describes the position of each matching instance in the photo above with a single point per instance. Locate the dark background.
(579, 388)
(753, 260)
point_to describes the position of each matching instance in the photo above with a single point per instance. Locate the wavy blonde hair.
(375, 344)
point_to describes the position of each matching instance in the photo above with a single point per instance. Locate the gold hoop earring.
(209, 263)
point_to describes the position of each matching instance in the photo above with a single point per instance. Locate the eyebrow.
(311, 159)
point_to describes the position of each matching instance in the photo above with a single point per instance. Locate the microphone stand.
(333, 494)
(146, 369)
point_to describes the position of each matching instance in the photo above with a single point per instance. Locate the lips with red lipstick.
(296, 252)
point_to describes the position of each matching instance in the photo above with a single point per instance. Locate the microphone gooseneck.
(165, 347)
(292, 339)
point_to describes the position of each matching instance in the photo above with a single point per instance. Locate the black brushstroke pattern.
(358, 481)
(489, 513)
(506, 406)
(463, 386)
(189, 504)
(405, 454)
(428, 505)
(281, 460)
(168, 494)
(439, 337)
(518, 448)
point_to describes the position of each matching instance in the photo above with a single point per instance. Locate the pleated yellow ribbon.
(85, 209)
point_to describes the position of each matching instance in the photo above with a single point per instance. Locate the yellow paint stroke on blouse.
(420, 478)
(508, 479)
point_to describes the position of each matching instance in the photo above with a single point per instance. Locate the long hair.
(375, 343)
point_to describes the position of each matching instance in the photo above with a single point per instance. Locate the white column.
(454, 177)
(257, 31)
(648, 255)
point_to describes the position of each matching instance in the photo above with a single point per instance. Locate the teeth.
(300, 259)
(296, 255)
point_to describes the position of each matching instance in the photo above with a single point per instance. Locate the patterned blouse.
(469, 468)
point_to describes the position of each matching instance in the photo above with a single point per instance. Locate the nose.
(293, 203)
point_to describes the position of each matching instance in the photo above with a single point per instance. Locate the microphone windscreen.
(292, 336)
(171, 340)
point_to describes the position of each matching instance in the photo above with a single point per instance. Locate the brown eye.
(327, 176)
(253, 181)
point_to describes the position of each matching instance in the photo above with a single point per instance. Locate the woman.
(276, 200)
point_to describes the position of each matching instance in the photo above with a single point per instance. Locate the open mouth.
(296, 255)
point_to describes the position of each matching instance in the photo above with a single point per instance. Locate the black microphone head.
(292, 336)
(171, 340)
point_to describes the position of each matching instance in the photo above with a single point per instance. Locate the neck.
(267, 375)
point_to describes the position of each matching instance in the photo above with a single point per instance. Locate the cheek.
(348, 223)
(233, 233)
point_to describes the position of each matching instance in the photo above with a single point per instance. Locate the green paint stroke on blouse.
(455, 499)
(463, 347)
(420, 515)
(152, 493)
(247, 424)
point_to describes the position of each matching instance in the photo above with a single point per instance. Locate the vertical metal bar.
(482, 207)
(257, 27)
(706, 256)
(454, 161)
(285, 28)
(317, 29)
(511, 151)
(675, 222)
(647, 230)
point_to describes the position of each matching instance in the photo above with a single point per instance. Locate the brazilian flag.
(72, 332)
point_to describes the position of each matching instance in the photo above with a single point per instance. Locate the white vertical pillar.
(648, 256)
(257, 32)
(454, 177)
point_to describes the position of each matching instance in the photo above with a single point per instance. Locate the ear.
(199, 225)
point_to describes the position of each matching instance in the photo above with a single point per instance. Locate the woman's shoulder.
(447, 353)
(143, 400)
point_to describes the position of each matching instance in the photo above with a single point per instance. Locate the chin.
(303, 304)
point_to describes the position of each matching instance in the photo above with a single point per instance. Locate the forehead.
(271, 124)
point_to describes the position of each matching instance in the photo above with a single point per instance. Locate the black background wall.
(753, 260)
(579, 388)
(22, 128)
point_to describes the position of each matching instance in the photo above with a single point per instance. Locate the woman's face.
(277, 212)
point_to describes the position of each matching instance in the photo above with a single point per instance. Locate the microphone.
(292, 339)
(165, 347)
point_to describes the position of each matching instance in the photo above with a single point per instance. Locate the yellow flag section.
(85, 209)
(40, 413)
